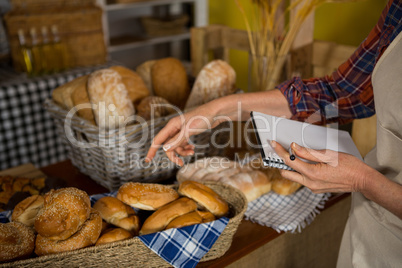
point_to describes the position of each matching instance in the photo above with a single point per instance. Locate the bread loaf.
(170, 81)
(113, 235)
(144, 70)
(108, 94)
(137, 90)
(62, 95)
(16, 241)
(79, 96)
(215, 80)
(154, 107)
(284, 186)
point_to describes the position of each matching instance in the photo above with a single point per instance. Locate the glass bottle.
(47, 52)
(38, 63)
(26, 55)
(60, 50)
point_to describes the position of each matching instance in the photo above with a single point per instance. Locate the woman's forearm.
(237, 107)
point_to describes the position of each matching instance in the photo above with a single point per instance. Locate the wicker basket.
(160, 27)
(80, 29)
(114, 157)
(133, 253)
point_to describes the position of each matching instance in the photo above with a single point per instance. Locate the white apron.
(373, 235)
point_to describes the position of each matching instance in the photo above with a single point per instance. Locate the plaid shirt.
(347, 93)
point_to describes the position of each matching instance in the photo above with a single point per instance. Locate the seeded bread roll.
(137, 90)
(164, 215)
(170, 81)
(64, 212)
(109, 95)
(204, 196)
(26, 210)
(16, 241)
(215, 80)
(146, 196)
(86, 236)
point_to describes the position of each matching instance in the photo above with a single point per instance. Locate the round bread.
(187, 219)
(146, 196)
(164, 215)
(154, 107)
(170, 81)
(137, 90)
(284, 186)
(113, 235)
(86, 236)
(16, 241)
(26, 210)
(115, 212)
(204, 196)
(64, 211)
(144, 70)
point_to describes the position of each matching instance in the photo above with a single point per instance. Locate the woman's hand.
(331, 172)
(176, 134)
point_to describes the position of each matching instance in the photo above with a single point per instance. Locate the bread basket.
(133, 253)
(115, 157)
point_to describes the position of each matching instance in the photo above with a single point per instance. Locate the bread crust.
(113, 235)
(16, 241)
(26, 210)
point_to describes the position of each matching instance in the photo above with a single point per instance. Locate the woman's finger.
(174, 158)
(164, 134)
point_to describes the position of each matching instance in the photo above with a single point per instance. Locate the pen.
(291, 154)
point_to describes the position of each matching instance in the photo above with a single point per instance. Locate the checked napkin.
(286, 213)
(183, 247)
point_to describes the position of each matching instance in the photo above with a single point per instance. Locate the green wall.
(345, 23)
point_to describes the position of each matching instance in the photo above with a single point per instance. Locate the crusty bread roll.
(64, 212)
(108, 94)
(204, 196)
(26, 210)
(137, 90)
(113, 235)
(170, 81)
(215, 80)
(62, 94)
(144, 70)
(283, 186)
(115, 212)
(154, 107)
(16, 241)
(86, 236)
(80, 97)
(164, 215)
(146, 196)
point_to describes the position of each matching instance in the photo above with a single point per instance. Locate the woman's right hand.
(176, 134)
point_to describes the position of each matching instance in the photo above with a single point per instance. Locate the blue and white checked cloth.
(182, 247)
(286, 213)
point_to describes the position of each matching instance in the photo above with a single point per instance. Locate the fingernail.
(190, 153)
(273, 144)
(296, 146)
(147, 159)
(166, 147)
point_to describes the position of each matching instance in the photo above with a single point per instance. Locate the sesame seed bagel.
(16, 241)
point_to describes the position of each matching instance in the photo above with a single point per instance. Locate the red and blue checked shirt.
(347, 93)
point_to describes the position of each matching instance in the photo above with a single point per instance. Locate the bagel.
(146, 196)
(205, 197)
(16, 241)
(86, 236)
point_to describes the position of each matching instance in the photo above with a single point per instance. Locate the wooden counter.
(249, 238)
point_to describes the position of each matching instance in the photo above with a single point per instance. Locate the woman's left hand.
(331, 172)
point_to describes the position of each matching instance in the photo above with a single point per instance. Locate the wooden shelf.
(129, 42)
(112, 7)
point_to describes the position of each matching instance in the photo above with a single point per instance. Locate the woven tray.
(133, 253)
(113, 157)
